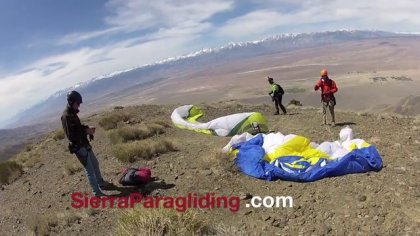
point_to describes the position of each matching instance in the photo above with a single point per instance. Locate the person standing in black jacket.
(78, 134)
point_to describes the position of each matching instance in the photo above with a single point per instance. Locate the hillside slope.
(387, 202)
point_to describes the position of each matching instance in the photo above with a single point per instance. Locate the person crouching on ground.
(78, 134)
(328, 88)
(276, 94)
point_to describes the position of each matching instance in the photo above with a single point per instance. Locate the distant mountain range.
(140, 77)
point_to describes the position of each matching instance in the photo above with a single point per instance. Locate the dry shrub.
(58, 135)
(9, 171)
(145, 149)
(42, 224)
(71, 168)
(295, 102)
(417, 120)
(163, 123)
(162, 221)
(28, 148)
(223, 160)
(111, 120)
(29, 159)
(126, 134)
(69, 218)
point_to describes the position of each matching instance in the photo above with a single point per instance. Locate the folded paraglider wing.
(186, 117)
(294, 158)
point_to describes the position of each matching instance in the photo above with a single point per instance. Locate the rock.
(275, 223)
(176, 177)
(245, 196)
(400, 170)
(362, 198)
(247, 213)
(324, 229)
(278, 223)
(208, 172)
(49, 206)
(156, 193)
(18, 221)
(360, 206)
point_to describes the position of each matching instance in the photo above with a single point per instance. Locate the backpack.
(281, 91)
(135, 177)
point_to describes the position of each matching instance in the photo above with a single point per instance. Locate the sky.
(49, 45)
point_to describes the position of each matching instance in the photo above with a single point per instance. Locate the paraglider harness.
(256, 127)
(135, 177)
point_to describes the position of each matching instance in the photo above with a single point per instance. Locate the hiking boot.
(107, 185)
(100, 195)
(276, 114)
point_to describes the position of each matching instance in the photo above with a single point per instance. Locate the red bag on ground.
(135, 177)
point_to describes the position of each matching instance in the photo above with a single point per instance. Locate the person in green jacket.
(276, 94)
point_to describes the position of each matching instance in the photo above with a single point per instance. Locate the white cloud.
(173, 27)
(377, 14)
(45, 76)
(135, 15)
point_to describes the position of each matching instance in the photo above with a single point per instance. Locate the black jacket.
(74, 130)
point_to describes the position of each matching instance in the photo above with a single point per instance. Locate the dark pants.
(328, 105)
(277, 104)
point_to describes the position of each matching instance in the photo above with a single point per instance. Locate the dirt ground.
(382, 203)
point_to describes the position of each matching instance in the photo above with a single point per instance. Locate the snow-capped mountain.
(145, 75)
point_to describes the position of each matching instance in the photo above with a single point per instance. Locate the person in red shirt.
(328, 88)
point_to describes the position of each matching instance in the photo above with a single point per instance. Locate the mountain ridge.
(276, 43)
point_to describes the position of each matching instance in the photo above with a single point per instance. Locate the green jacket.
(276, 90)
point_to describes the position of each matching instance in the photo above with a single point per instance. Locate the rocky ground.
(382, 203)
